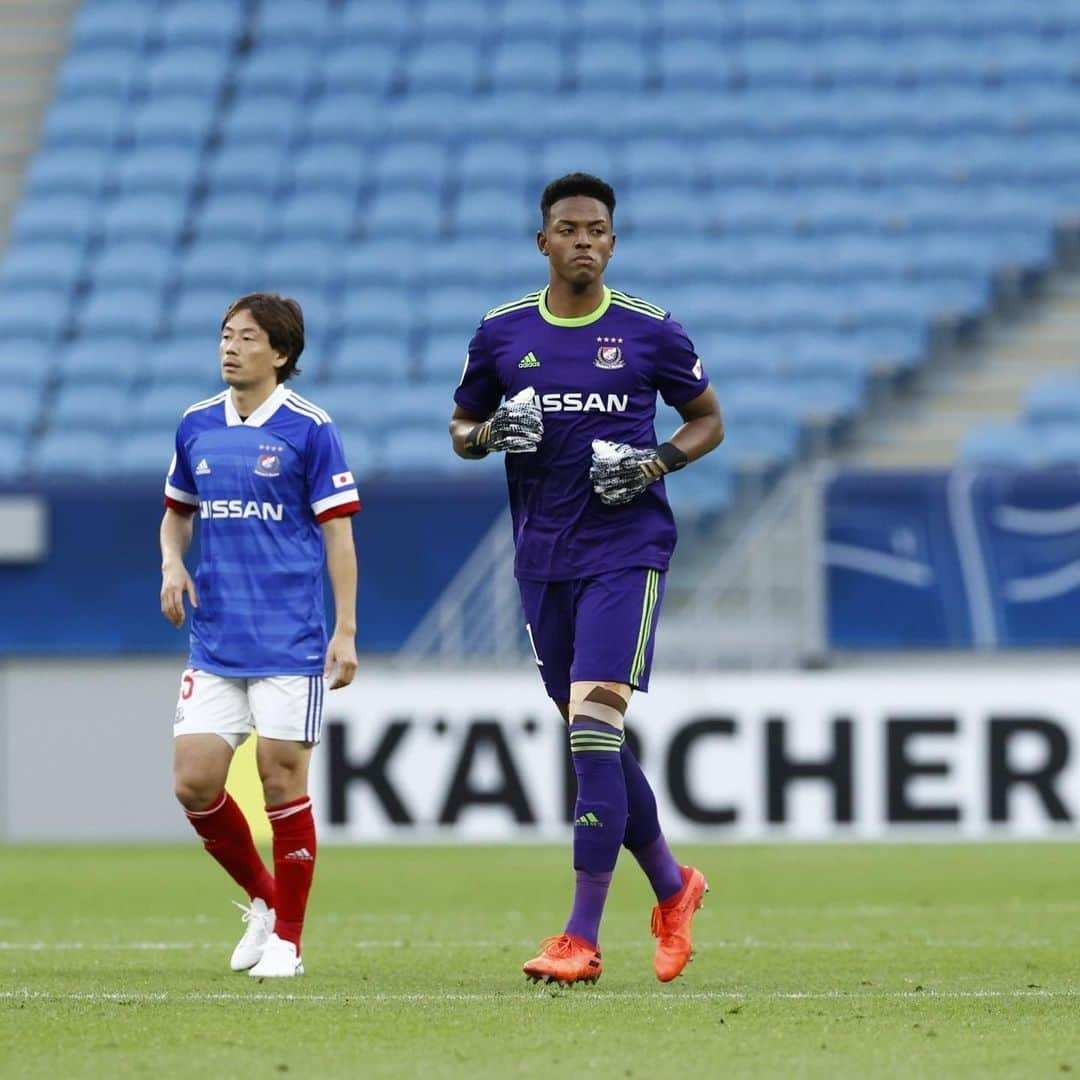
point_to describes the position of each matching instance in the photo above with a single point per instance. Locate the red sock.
(226, 836)
(294, 864)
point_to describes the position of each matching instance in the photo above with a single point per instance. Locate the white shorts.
(287, 707)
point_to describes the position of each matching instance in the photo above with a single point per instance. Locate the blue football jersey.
(597, 377)
(261, 486)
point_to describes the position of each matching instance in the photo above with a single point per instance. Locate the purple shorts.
(594, 629)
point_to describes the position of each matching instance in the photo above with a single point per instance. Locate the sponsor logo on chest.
(241, 509)
(578, 401)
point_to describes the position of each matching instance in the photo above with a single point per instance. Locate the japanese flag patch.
(343, 479)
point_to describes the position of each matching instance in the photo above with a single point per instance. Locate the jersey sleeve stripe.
(347, 510)
(530, 300)
(649, 312)
(207, 403)
(638, 301)
(338, 499)
(301, 411)
(180, 496)
(181, 508)
(303, 401)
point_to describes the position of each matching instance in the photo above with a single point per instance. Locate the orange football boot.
(565, 959)
(671, 924)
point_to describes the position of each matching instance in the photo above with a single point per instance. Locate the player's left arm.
(703, 426)
(341, 565)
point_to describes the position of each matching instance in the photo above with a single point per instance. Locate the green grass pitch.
(812, 961)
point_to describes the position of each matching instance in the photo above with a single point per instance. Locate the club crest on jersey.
(268, 465)
(609, 353)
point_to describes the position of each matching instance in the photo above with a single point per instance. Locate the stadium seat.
(26, 360)
(536, 66)
(694, 64)
(618, 65)
(419, 448)
(440, 65)
(306, 262)
(342, 117)
(367, 68)
(83, 121)
(20, 407)
(79, 406)
(450, 23)
(329, 166)
(145, 452)
(443, 357)
(115, 312)
(73, 453)
(433, 115)
(574, 155)
(456, 309)
(12, 454)
(169, 73)
(412, 165)
(46, 265)
(1053, 401)
(131, 264)
(171, 170)
(521, 21)
(261, 121)
(379, 310)
(614, 22)
(407, 214)
(108, 73)
(34, 312)
(386, 262)
(184, 361)
(494, 163)
(707, 488)
(1001, 444)
(173, 122)
(761, 432)
(316, 215)
(362, 356)
(67, 171)
(100, 26)
(162, 405)
(232, 216)
(491, 212)
(197, 311)
(364, 23)
(152, 218)
(308, 24)
(245, 169)
(282, 69)
(361, 453)
(201, 22)
(220, 263)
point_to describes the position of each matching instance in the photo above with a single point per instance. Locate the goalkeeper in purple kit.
(564, 381)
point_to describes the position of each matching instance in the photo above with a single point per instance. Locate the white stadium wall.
(945, 752)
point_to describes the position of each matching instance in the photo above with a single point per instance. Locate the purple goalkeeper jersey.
(597, 377)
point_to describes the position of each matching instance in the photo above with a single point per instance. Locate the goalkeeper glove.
(516, 426)
(620, 473)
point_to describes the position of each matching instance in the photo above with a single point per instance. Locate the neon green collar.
(580, 320)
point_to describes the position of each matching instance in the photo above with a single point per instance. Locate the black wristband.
(671, 457)
(474, 448)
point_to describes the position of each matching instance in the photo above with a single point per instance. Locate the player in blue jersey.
(564, 381)
(265, 471)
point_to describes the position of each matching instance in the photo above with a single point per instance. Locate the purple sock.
(643, 838)
(599, 821)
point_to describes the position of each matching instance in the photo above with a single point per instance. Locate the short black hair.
(283, 320)
(577, 183)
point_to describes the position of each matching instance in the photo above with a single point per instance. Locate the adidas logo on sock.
(528, 361)
(300, 853)
(589, 819)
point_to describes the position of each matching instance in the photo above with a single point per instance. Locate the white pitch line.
(596, 996)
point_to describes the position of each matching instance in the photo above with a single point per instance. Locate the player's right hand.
(175, 582)
(516, 427)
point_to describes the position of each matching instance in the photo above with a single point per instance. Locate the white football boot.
(260, 928)
(279, 961)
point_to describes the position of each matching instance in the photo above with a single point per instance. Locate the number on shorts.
(187, 685)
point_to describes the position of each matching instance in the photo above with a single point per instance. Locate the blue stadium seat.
(536, 66)
(576, 155)
(419, 165)
(145, 453)
(131, 264)
(153, 218)
(421, 405)
(169, 73)
(26, 360)
(455, 309)
(695, 64)
(762, 432)
(413, 215)
(418, 448)
(374, 358)
(47, 265)
(29, 312)
(498, 268)
(114, 312)
(779, 20)
(440, 65)
(463, 20)
(84, 121)
(361, 453)
(185, 361)
(82, 407)
(1001, 444)
(283, 69)
(201, 22)
(99, 26)
(168, 169)
(173, 122)
(305, 263)
(383, 22)
(614, 22)
(12, 454)
(20, 407)
(67, 171)
(316, 215)
(385, 262)
(198, 311)
(494, 163)
(330, 166)
(491, 212)
(1053, 400)
(219, 263)
(343, 117)
(432, 115)
(261, 120)
(764, 63)
(73, 453)
(385, 311)
(510, 116)
(107, 73)
(522, 21)
(618, 65)
(232, 216)
(368, 68)
(161, 406)
(707, 488)
(443, 358)
(244, 168)
(660, 161)
(309, 23)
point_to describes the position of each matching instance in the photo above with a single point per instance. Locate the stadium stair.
(33, 37)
